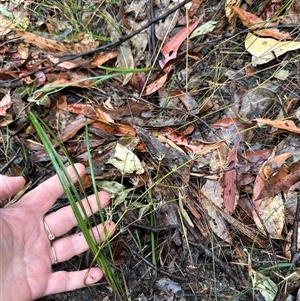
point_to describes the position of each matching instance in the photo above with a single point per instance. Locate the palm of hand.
(28, 248)
(25, 249)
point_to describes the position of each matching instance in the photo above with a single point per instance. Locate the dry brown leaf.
(6, 25)
(156, 85)
(188, 101)
(269, 168)
(230, 193)
(125, 59)
(102, 58)
(179, 139)
(164, 27)
(230, 14)
(132, 108)
(194, 8)
(287, 125)
(253, 22)
(211, 201)
(271, 214)
(53, 46)
(40, 42)
(5, 103)
(71, 129)
(116, 129)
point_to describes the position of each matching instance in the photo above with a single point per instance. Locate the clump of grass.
(74, 198)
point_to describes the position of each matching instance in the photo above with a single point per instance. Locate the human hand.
(26, 256)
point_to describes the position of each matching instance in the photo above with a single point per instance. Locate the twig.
(10, 161)
(294, 246)
(222, 265)
(155, 229)
(152, 31)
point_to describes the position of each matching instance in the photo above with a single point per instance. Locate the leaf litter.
(193, 127)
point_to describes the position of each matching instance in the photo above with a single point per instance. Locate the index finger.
(45, 195)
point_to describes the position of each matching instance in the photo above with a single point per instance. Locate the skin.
(25, 251)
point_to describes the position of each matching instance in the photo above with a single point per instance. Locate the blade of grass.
(110, 275)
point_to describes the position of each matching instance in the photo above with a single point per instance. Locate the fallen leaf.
(268, 169)
(256, 102)
(230, 13)
(40, 42)
(194, 8)
(115, 129)
(183, 211)
(125, 160)
(197, 148)
(210, 198)
(264, 50)
(253, 22)
(264, 285)
(5, 103)
(270, 216)
(287, 125)
(230, 192)
(156, 85)
(159, 150)
(169, 51)
(188, 101)
(203, 29)
(102, 58)
(124, 58)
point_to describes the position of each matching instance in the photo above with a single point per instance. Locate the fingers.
(68, 281)
(64, 219)
(45, 195)
(69, 246)
(10, 186)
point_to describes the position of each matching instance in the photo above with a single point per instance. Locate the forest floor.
(192, 114)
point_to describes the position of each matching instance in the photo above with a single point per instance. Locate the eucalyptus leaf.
(125, 160)
(203, 29)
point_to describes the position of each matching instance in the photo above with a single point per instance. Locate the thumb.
(10, 186)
